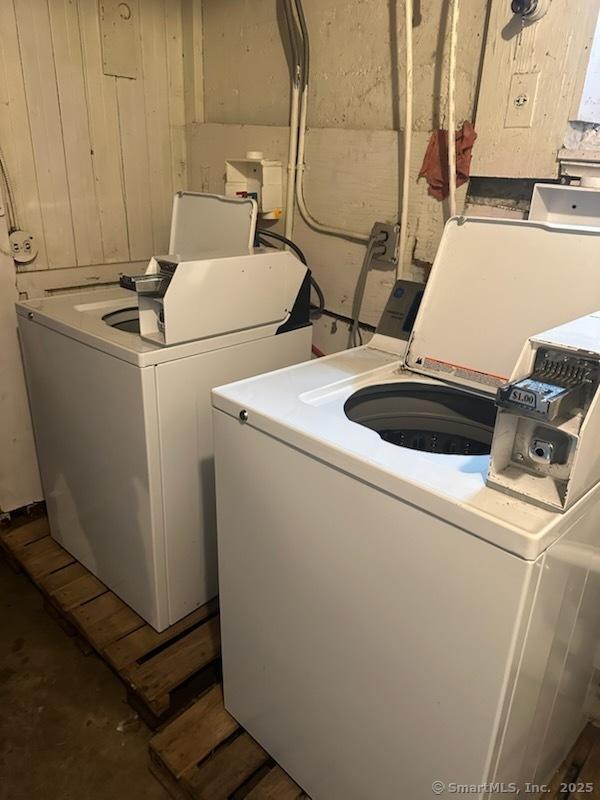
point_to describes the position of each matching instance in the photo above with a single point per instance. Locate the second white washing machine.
(400, 617)
(119, 385)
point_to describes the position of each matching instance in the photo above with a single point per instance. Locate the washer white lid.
(211, 223)
(494, 283)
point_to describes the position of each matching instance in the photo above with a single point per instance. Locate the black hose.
(293, 246)
(285, 240)
(320, 308)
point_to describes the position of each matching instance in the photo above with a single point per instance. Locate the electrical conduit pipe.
(408, 123)
(452, 110)
(296, 75)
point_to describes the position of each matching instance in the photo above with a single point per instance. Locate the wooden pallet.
(162, 671)
(203, 754)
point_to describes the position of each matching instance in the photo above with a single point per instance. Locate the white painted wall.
(353, 148)
(357, 76)
(351, 179)
(354, 152)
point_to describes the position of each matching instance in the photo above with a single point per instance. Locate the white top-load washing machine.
(122, 419)
(392, 625)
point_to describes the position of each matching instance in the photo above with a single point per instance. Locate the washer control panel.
(560, 385)
(401, 310)
(544, 446)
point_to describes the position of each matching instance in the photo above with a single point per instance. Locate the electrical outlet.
(389, 241)
(23, 246)
(521, 100)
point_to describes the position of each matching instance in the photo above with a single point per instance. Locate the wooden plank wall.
(19, 476)
(556, 48)
(93, 159)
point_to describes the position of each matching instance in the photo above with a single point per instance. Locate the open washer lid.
(494, 283)
(211, 223)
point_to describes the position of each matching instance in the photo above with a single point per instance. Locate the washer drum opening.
(433, 419)
(125, 319)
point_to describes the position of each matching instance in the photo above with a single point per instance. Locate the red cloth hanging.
(435, 162)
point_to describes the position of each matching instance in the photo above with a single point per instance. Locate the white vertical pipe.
(408, 124)
(452, 109)
(292, 155)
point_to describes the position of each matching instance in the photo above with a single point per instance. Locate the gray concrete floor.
(66, 731)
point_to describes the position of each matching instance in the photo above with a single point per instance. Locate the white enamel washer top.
(81, 317)
(303, 406)
(494, 283)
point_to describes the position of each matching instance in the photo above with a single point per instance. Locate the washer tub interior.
(427, 417)
(125, 319)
